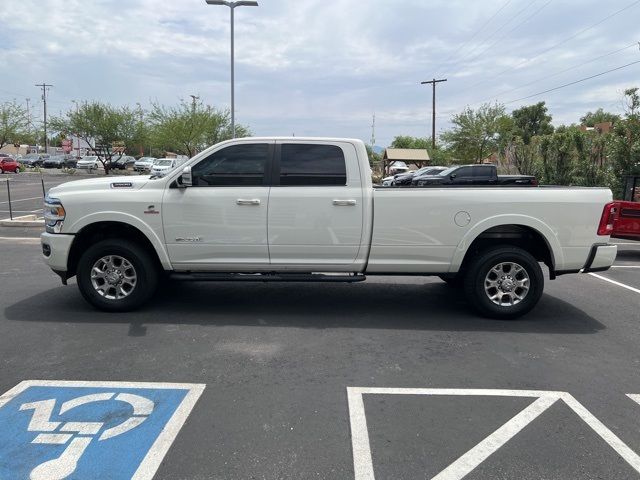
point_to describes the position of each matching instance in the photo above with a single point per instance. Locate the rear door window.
(312, 165)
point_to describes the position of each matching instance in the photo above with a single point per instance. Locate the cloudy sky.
(323, 67)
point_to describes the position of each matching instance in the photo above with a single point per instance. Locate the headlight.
(54, 215)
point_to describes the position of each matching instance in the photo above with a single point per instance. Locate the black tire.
(477, 273)
(145, 269)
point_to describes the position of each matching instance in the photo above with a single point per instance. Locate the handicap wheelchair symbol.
(66, 430)
(78, 435)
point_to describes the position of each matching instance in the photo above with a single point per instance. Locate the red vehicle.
(627, 222)
(8, 164)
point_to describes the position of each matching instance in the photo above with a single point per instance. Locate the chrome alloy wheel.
(507, 284)
(113, 277)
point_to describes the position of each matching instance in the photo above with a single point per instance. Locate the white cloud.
(318, 66)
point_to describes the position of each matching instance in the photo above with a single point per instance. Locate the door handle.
(345, 203)
(242, 201)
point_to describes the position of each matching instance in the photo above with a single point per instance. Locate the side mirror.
(452, 176)
(186, 180)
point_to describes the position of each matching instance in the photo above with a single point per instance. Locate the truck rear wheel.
(116, 275)
(504, 282)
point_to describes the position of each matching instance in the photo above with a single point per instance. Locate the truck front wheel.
(116, 275)
(504, 282)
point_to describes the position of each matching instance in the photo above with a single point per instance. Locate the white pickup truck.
(296, 209)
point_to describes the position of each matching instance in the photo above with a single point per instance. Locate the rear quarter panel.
(429, 230)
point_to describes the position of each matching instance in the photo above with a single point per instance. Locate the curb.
(23, 221)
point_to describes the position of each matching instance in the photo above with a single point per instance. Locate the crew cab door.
(463, 176)
(315, 206)
(220, 223)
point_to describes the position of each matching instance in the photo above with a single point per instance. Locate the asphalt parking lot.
(434, 391)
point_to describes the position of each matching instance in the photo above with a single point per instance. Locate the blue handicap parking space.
(100, 430)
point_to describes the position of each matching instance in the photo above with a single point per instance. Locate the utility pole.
(373, 132)
(194, 98)
(433, 123)
(28, 117)
(45, 87)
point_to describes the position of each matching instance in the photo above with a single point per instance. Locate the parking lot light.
(232, 6)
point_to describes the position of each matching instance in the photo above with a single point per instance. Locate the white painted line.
(625, 266)
(363, 462)
(634, 397)
(636, 290)
(637, 243)
(23, 199)
(20, 239)
(478, 454)
(160, 447)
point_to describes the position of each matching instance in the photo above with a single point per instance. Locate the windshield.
(448, 171)
(89, 159)
(57, 158)
(31, 155)
(147, 159)
(164, 163)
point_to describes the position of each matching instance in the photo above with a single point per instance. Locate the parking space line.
(628, 287)
(478, 454)
(22, 199)
(625, 266)
(363, 460)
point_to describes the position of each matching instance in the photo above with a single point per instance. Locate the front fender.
(557, 257)
(131, 220)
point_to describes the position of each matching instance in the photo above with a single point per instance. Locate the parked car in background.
(406, 178)
(124, 162)
(475, 175)
(88, 163)
(163, 166)
(8, 164)
(60, 161)
(144, 164)
(34, 159)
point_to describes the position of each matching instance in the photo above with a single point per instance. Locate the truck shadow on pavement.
(410, 306)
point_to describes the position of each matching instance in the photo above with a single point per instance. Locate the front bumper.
(55, 250)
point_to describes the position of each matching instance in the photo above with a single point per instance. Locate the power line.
(572, 83)
(474, 35)
(546, 77)
(495, 32)
(513, 29)
(562, 42)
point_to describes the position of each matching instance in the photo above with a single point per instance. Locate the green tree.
(524, 156)
(405, 141)
(189, 128)
(624, 145)
(105, 126)
(530, 121)
(476, 134)
(13, 122)
(599, 116)
(374, 158)
(558, 156)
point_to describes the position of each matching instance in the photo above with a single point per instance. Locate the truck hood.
(101, 184)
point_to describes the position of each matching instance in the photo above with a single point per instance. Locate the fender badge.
(121, 185)
(188, 239)
(151, 210)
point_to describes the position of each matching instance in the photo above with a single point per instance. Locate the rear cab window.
(312, 165)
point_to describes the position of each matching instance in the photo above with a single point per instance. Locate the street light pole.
(232, 6)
